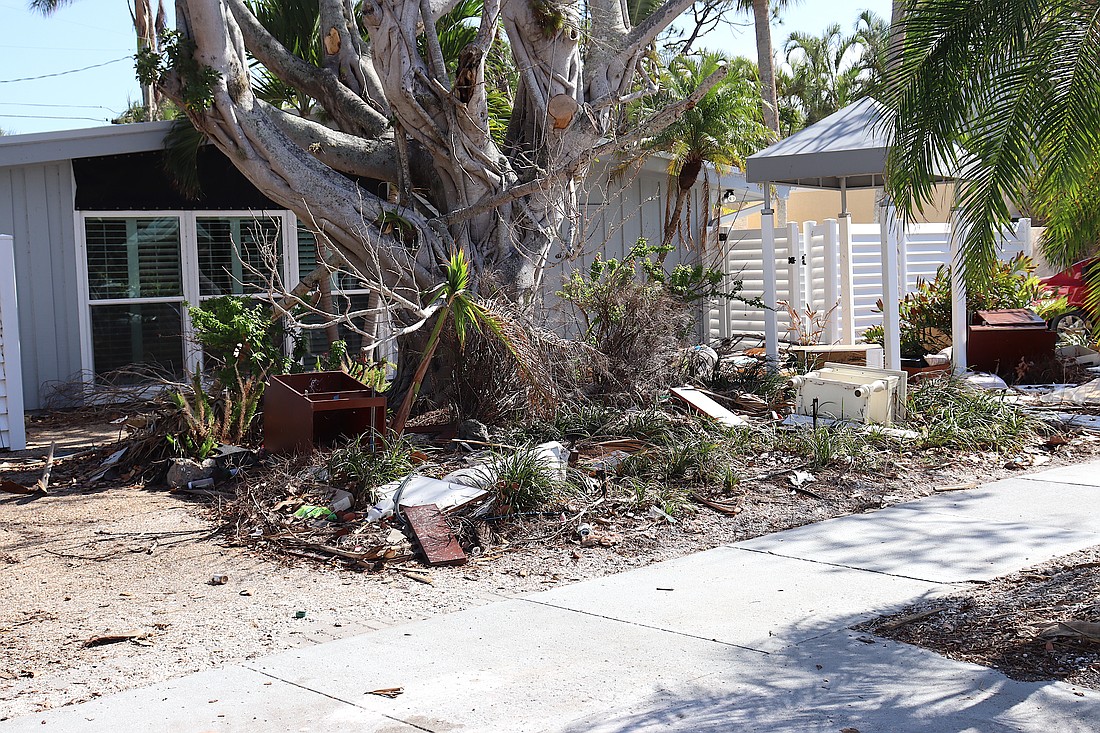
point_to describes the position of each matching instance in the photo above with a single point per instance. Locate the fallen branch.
(899, 622)
(44, 482)
(773, 474)
(104, 639)
(719, 506)
(1086, 630)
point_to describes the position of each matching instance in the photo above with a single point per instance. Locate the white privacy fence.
(810, 273)
(12, 434)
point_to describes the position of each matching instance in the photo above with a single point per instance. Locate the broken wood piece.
(436, 540)
(104, 639)
(909, 618)
(417, 576)
(390, 692)
(10, 487)
(957, 487)
(699, 402)
(44, 482)
(719, 506)
(1072, 629)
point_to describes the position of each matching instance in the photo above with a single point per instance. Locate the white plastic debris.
(1084, 394)
(981, 380)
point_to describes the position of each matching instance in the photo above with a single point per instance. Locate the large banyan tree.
(395, 110)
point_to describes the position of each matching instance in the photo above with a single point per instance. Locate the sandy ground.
(85, 561)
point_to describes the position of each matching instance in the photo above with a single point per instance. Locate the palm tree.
(457, 303)
(822, 79)
(1006, 93)
(765, 54)
(722, 129)
(872, 33)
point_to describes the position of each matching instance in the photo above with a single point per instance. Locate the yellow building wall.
(811, 204)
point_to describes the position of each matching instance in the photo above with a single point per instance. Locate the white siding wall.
(36, 208)
(12, 425)
(614, 214)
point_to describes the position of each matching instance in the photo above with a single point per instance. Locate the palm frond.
(1008, 95)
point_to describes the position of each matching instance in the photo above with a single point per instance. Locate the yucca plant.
(457, 303)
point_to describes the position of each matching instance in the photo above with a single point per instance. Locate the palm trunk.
(897, 37)
(765, 62)
(397, 427)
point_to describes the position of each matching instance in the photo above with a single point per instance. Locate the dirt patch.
(112, 557)
(1000, 624)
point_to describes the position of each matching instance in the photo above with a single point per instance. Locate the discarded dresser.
(1002, 339)
(852, 393)
(305, 411)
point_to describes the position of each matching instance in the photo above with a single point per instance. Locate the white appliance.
(853, 393)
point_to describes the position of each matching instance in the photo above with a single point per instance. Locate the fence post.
(767, 249)
(794, 283)
(1023, 233)
(11, 365)
(891, 317)
(806, 275)
(832, 300)
(959, 317)
(903, 260)
(847, 289)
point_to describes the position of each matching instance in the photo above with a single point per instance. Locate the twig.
(44, 482)
(898, 623)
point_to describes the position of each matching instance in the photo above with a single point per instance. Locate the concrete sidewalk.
(748, 637)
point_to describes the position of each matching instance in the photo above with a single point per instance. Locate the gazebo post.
(891, 316)
(959, 319)
(832, 295)
(847, 294)
(767, 251)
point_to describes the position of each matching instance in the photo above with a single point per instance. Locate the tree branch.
(647, 128)
(371, 158)
(350, 111)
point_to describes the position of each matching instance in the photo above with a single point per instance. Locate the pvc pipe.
(959, 319)
(832, 297)
(767, 246)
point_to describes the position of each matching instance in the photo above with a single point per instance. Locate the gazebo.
(846, 150)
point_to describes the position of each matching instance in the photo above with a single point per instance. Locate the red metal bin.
(306, 411)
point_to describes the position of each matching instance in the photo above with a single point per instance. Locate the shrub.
(953, 414)
(639, 315)
(368, 462)
(926, 312)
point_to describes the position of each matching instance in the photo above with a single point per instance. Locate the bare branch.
(350, 111)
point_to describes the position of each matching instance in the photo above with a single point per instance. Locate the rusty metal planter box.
(1005, 337)
(306, 411)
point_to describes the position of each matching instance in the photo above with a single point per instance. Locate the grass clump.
(524, 480)
(367, 462)
(953, 414)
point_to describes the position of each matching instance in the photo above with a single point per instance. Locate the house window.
(349, 295)
(234, 252)
(142, 268)
(135, 292)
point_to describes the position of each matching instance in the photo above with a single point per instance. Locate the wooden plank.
(436, 540)
(705, 405)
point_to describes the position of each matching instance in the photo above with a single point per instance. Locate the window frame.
(189, 266)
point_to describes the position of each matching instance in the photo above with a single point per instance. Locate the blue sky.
(93, 32)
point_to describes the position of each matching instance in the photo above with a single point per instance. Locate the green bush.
(239, 338)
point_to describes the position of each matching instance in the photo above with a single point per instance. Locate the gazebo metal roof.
(849, 145)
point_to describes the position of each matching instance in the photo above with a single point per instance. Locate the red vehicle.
(1072, 284)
